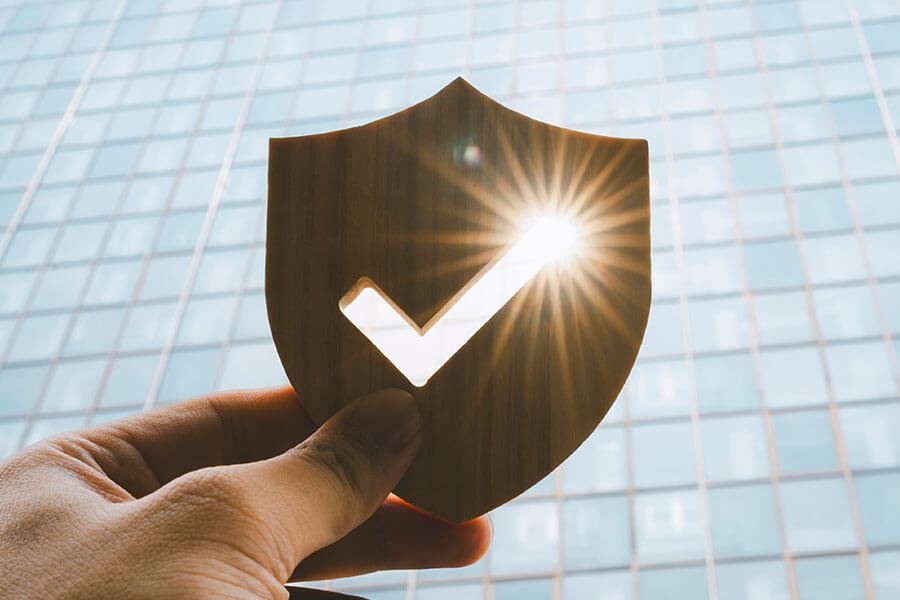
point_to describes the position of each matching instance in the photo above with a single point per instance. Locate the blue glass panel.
(734, 448)
(860, 371)
(526, 537)
(753, 581)
(871, 435)
(596, 533)
(817, 515)
(686, 583)
(20, 388)
(73, 386)
(599, 464)
(830, 578)
(744, 521)
(804, 441)
(668, 526)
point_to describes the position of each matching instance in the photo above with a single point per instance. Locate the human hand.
(220, 497)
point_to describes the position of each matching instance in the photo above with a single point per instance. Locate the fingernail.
(389, 418)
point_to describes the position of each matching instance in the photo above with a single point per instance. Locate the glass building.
(755, 452)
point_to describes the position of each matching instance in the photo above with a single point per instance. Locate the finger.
(398, 536)
(317, 492)
(145, 451)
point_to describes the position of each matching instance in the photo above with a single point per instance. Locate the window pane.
(830, 578)
(753, 581)
(817, 515)
(860, 371)
(804, 441)
(668, 526)
(666, 584)
(596, 533)
(879, 497)
(73, 385)
(734, 448)
(598, 465)
(526, 537)
(725, 383)
(614, 585)
(744, 521)
(663, 454)
(793, 377)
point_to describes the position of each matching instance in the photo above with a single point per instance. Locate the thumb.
(317, 492)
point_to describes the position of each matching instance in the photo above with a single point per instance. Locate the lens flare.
(419, 352)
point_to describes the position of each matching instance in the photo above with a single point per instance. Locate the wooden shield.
(418, 205)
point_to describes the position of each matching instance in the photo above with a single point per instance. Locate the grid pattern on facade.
(755, 452)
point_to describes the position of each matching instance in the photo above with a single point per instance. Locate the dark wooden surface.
(401, 201)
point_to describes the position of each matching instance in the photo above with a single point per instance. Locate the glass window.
(879, 496)
(668, 526)
(734, 448)
(719, 324)
(179, 231)
(833, 259)
(860, 371)
(822, 209)
(206, 321)
(129, 380)
(73, 386)
(817, 515)
(251, 365)
(744, 521)
(60, 288)
(455, 591)
(755, 169)
(725, 383)
(885, 575)
(147, 326)
(663, 454)
(706, 221)
(39, 337)
(659, 584)
(868, 157)
(748, 128)
(612, 585)
(599, 464)
(189, 373)
(772, 265)
(194, 189)
(235, 225)
(793, 377)
(664, 335)
(29, 247)
(596, 533)
(875, 202)
(50, 426)
(856, 116)
(131, 236)
(764, 215)
(847, 312)
(94, 332)
(10, 434)
(252, 321)
(49, 205)
(20, 388)
(890, 297)
(812, 164)
(147, 194)
(782, 318)
(16, 290)
(804, 441)
(712, 270)
(165, 277)
(98, 200)
(871, 435)
(829, 578)
(79, 241)
(113, 282)
(784, 49)
(884, 248)
(658, 389)
(753, 581)
(803, 123)
(526, 537)
(530, 589)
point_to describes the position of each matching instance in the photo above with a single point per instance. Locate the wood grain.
(402, 201)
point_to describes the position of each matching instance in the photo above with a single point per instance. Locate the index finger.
(145, 451)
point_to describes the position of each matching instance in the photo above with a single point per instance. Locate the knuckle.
(342, 460)
(211, 492)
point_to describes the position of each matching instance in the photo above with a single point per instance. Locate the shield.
(424, 251)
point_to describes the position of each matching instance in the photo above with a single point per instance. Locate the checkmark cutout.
(418, 352)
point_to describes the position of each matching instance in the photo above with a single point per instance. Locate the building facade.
(755, 452)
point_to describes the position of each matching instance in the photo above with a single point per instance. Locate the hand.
(220, 497)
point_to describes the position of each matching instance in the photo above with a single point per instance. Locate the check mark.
(418, 352)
